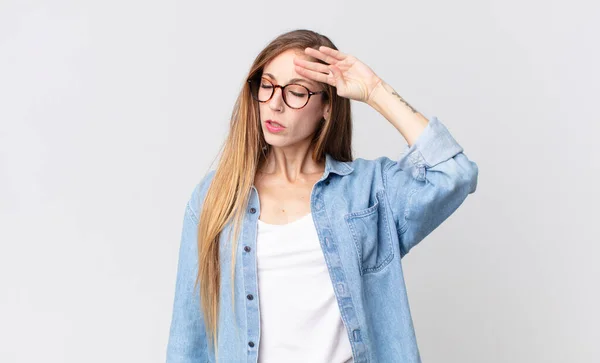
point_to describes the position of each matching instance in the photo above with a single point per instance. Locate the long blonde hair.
(244, 152)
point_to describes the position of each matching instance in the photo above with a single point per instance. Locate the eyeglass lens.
(294, 95)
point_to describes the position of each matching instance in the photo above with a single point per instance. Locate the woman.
(319, 236)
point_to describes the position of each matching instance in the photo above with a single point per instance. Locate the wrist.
(381, 98)
(375, 95)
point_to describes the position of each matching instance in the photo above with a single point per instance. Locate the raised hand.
(351, 78)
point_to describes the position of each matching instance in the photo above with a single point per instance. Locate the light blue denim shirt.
(368, 215)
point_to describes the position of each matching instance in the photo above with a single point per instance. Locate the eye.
(297, 91)
(265, 83)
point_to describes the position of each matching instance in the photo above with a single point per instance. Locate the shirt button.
(247, 249)
(250, 297)
(251, 344)
(252, 210)
(326, 182)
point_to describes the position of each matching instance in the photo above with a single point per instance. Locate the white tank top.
(300, 319)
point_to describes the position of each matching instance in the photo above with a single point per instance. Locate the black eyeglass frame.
(310, 93)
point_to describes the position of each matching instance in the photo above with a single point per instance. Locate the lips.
(274, 123)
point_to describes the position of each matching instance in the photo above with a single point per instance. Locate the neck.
(291, 164)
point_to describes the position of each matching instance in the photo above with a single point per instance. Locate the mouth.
(274, 124)
(274, 127)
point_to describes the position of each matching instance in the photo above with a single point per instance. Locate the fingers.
(318, 67)
(317, 71)
(317, 76)
(333, 52)
(326, 54)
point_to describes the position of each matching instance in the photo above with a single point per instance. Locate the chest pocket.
(371, 234)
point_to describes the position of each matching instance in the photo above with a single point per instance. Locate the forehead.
(282, 67)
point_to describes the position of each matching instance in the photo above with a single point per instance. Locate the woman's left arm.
(427, 184)
(433, 177)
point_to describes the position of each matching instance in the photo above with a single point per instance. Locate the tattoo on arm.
(403, 101)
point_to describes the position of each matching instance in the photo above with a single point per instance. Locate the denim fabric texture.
(369, 214)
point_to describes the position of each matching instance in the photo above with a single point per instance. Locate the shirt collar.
(335, 166)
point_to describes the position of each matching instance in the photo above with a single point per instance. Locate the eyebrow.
(293, 80)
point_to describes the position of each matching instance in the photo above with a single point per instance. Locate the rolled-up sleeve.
(428, 183)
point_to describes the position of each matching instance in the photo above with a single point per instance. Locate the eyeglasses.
(295, 96)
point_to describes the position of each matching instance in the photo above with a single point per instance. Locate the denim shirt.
(368, 215)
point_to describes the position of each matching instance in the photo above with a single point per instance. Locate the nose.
(276, 102)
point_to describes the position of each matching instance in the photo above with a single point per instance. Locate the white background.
(111, 111)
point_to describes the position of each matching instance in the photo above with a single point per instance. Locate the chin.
(272, 143)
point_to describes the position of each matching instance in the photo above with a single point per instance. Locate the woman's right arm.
(187, 337)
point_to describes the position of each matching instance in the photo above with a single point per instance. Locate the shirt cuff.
(434, 145)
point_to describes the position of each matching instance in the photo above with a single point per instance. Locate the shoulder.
(368, 168)
(195, 201)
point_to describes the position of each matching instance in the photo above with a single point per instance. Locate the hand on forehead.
(282, 69)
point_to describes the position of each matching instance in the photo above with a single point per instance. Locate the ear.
(327, 112)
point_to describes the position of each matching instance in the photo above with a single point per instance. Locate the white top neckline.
(286, 224)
